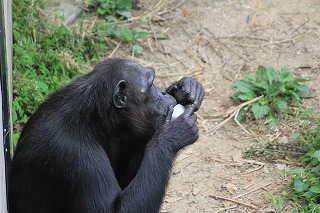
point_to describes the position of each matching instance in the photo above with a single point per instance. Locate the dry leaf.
(249, 177)
(231, 188)
(202, 52)
(186, 13)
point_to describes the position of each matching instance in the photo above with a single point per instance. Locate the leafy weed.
(278, 88)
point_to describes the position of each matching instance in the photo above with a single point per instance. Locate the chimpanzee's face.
(147, 102)
(151, 96)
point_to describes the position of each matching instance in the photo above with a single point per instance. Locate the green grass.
(49, 55)
(306, 179)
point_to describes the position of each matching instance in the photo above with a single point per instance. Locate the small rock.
(69, 9)
(195, 191)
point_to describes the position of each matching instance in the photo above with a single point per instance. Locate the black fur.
(104, 143)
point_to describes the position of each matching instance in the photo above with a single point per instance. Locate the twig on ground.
(235, 111)
(203, 124)
(245, 188)
(255, 16)
(171, 17)
(94, 21)
(288, 40)
(181, 169)
(253, 190)
(115, 49)
(243, 37)
(295, 163)
(168, 74)
(149, 44)
(235, 119)
(152, 13)
(301, 25)
(252, 162)
(173, 8)
(273, 43)
(253, 170)
(234, 201)
(153, 32)
(168, 65)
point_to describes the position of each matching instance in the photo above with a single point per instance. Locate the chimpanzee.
(104, 143)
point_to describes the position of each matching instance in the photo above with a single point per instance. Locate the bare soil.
(216, 41)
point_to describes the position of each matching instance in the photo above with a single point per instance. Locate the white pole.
(5, 94)
(8, 26)
(3, 191)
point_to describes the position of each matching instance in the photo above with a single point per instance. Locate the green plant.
(48, 55)
(280, 93)
(309, 135)
(131, 36)
(306, 184)
(306, 179)
(278, 88)
(111, 7)
(115, 11)
(278, 201)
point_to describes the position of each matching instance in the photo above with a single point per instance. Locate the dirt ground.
(216, 41)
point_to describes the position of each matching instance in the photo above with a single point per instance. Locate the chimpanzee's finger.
(169, 114)
(181, 83)
(172, 89)
(189, 110)
(193, 90)
(182, 96)
(199, 97)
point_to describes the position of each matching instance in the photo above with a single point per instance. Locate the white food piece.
(177, 111)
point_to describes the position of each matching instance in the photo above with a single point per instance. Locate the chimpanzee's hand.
(187, 91)
(181, 132)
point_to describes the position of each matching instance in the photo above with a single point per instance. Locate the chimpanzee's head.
(137, 102)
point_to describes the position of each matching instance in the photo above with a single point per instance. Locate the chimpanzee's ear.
(120, 94)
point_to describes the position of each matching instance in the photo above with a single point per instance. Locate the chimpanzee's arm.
(100, 192)
(146, 191)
